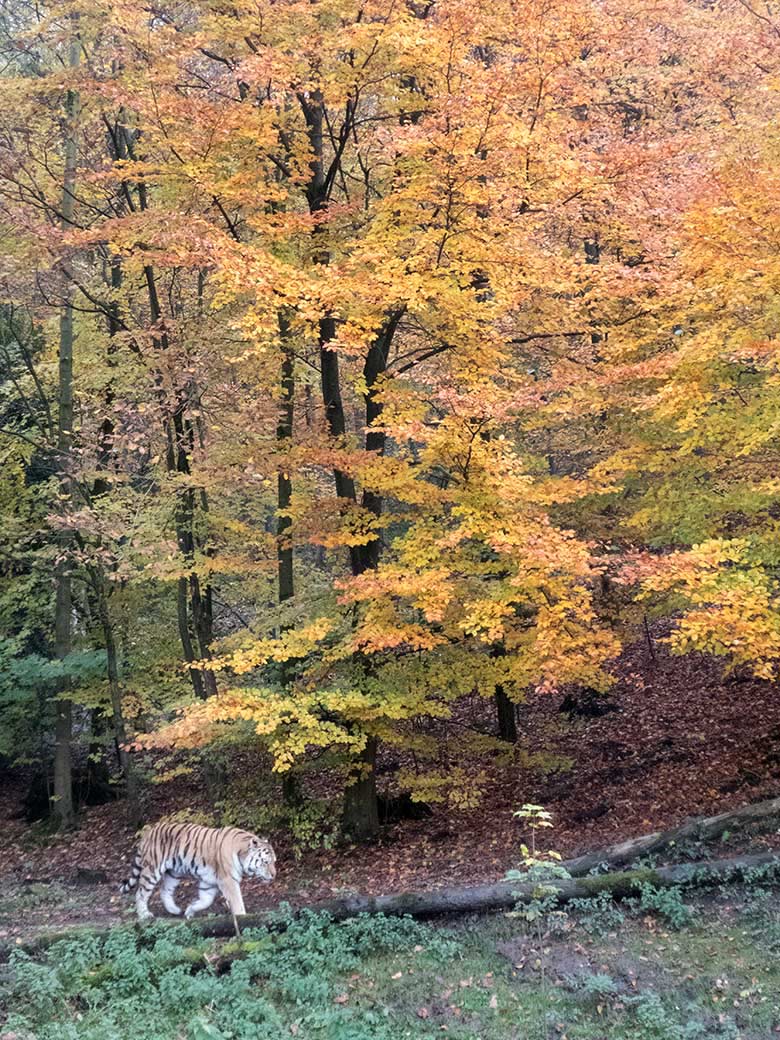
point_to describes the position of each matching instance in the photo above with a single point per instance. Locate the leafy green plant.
(541, 870)
(598, 914)
(666, 902)
(598, 986)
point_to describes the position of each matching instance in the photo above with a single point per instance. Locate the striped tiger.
(217, 857)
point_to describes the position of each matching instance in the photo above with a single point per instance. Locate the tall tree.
(63, 808)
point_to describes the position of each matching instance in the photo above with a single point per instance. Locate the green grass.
(372, 978)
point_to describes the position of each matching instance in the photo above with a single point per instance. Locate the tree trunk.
(126, 767)
(750, 818)
(292, 793)
(284, 432)
(374, 367)
(179, 433)
(360, 820)
(361, 813)
(505, 708)
(505, 714)
(62, 808)
(182, 617)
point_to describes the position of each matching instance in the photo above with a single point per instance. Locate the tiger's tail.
(130, 883)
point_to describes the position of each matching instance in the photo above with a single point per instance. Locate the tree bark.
(505, 707)
(62, 808)
(182, 618)
(292, 793)
(132, 793)
(505, 714)
(284, 432)
(374, 367)
(360, 819)
(179, 433)
(361, 814)
(701, 828)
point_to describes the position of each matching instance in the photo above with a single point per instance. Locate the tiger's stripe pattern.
(217, 857)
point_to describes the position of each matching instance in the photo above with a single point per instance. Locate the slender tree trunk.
(291, 788)
(284, 431)
(190, 598)
(182, 617)
(124, 760)
(62, 809)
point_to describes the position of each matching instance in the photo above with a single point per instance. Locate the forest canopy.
(360, 356)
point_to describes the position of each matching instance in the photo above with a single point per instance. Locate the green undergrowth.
(713, 972)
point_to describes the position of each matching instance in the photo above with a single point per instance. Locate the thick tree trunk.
(505, 714)
(373, 369)
(62, 808)
(505, 708)
(361, 814)
(360, 820)
(334, 415)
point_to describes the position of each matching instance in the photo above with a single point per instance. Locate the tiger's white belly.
(205, 874)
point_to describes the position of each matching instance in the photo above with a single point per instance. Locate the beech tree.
(387, 318)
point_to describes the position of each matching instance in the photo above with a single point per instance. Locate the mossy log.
(448, 901)
(760, 816)
(505, 894)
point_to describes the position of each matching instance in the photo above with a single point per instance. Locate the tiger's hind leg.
(206, 895)
(147, 883)
(167, 892)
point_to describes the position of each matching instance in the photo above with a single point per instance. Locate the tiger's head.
(258, 858)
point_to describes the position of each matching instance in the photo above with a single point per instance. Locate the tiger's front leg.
(231, 893)
(206, 895)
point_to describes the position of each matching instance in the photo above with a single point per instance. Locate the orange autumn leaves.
(534, 213)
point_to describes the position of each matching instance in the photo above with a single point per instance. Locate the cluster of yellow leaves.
(289, 645)
(732, 605)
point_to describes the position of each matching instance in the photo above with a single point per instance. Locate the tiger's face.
(259, 860)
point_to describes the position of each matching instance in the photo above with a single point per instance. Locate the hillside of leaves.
(673, 740)
(388, 421)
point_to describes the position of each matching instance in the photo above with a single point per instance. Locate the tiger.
(217, 857)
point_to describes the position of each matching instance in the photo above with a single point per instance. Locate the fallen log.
(700, 828)
(502, 895)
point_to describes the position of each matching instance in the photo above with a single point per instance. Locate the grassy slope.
(718, 976)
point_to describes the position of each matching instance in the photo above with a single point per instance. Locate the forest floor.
(678, 740)
(600, 972)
